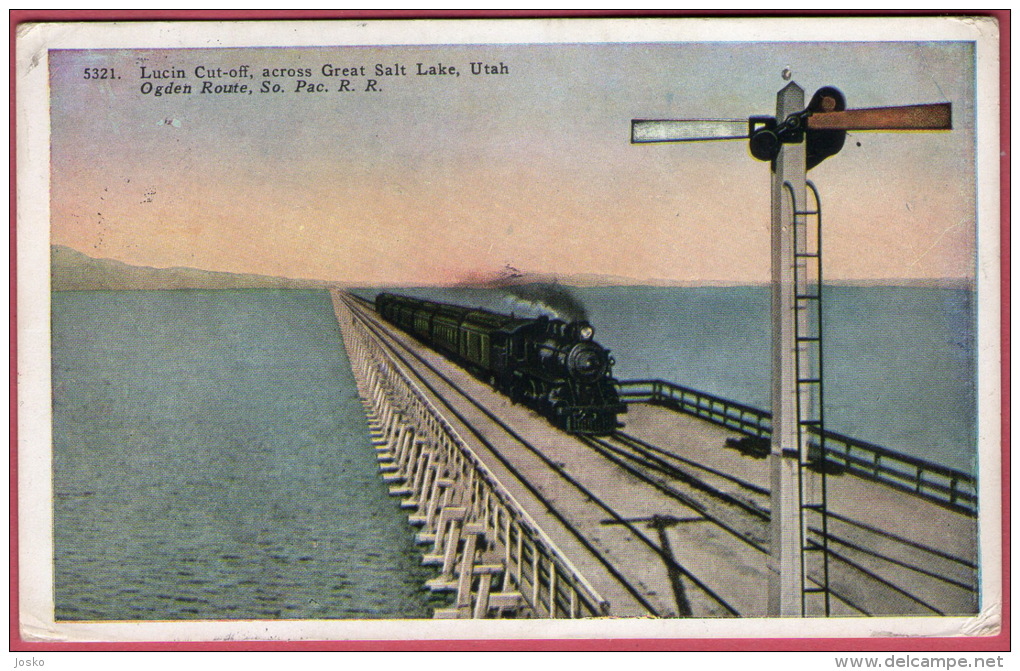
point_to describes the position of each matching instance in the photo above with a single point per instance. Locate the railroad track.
(737, 507)
(741, 509)
(440, 385)
(742, 519)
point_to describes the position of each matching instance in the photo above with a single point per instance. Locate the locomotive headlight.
(586, 332)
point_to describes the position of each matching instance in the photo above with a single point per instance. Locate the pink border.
(1000, 642)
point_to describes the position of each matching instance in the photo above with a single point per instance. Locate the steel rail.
(832, 537)
(879, 579)
(684, 476)
(892, 560)
(549, 505)
(558, 469)
(714, 519)
(862, 458)
(596, 602)
(904, 541)
(644, 445)
(606, 449)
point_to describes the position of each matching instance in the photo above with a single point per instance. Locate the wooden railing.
(424, 456)
(947, 486)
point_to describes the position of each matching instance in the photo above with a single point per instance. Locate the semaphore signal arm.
(823, 124)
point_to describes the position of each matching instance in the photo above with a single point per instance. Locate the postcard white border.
(34, 435)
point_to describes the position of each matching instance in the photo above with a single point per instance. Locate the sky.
(438, 179)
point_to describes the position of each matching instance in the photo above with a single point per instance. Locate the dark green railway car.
(547, 364)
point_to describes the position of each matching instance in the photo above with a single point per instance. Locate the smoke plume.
(547, 296)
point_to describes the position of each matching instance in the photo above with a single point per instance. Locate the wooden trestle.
(489, 552)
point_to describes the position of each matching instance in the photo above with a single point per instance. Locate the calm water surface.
(899, 361)
(211, 461)
(211, 457)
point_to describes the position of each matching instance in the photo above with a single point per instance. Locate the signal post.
(794, 141)
(785, 566)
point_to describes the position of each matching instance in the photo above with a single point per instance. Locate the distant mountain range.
(70, 270)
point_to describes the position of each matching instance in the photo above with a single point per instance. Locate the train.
(549, 365)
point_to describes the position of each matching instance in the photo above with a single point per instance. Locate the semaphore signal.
(795, 140)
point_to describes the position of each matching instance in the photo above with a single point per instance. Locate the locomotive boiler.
(549, 365)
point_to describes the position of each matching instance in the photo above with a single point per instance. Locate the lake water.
(211, 458)
(899, 361)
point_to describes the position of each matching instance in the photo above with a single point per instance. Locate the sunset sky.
(433, 179)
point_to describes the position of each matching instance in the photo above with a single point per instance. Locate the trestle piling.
(667, 517)
(491, 556)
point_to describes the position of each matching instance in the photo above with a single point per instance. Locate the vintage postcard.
(547, 329)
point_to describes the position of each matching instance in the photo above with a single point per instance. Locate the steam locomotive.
(549, 365)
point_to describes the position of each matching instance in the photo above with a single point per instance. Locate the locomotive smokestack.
(549, 297)
(552, 297)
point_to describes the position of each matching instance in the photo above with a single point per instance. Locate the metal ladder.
(814, 536)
